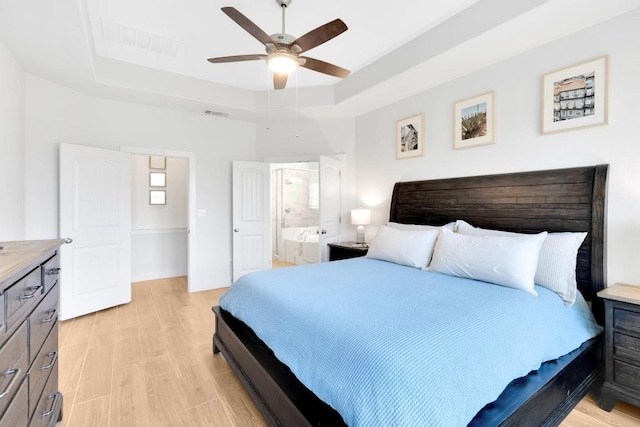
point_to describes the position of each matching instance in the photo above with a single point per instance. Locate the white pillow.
(504, 260)
(557, 262)
(399, 226)
(406, 247)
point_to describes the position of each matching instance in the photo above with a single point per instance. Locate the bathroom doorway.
(295, 202)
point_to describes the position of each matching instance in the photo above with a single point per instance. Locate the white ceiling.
(389, 47)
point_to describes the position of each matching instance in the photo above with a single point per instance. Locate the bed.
(530, 202)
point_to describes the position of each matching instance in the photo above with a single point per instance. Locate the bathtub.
(302, 251)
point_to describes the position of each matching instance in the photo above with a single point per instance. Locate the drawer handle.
(7, 389)
(52, 315)
(53, 271)
(34, 290)
(54, 355)
(53, 405)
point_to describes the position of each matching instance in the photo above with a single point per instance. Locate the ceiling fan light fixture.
(282, 62)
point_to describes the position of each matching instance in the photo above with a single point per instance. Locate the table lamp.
(360, 217)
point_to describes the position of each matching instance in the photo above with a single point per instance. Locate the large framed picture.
(410, 137)
(474, 121)
(575, 97)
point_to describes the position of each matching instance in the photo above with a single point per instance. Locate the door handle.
(235, 230)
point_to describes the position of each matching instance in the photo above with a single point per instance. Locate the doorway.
(159, 217)
(252, 221)
(295, 203)
(183, 235)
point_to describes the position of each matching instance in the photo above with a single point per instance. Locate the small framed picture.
(157, 197)
(410, 137)
(474, 121)
(157, 179)
(157, 162)
(575, 97)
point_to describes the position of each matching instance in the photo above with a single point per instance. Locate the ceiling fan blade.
(279, 80)
(324, 67)
(320, 35)
(248, 25)
(236, 58)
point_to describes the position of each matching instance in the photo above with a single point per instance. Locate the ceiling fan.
(283, 50)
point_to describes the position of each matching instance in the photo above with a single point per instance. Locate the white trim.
(138, 231)
(193, 279)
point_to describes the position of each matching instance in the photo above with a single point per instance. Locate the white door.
(251, 218)
(95, 205)
(329, 227)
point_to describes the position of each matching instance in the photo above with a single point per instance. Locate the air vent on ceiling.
(134, 37)
(216, 113)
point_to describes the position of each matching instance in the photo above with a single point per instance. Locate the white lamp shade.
(360, 216)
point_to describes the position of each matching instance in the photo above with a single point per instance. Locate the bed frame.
(528, 202)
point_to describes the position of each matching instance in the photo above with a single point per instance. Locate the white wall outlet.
(202, 212)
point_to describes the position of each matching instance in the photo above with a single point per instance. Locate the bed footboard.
(280, 397)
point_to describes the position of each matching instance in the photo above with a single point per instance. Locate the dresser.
(29, 272)
(346, 250)
(622, 345)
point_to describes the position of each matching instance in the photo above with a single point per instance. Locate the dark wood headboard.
(526, 202)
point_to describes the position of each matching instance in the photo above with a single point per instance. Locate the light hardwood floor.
(149, 363)
(276, 263)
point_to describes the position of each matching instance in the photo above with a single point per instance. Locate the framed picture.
(157, 179)
(575, 97)
(410, 137)
(157, 197)
(474, 121)
(157, 162)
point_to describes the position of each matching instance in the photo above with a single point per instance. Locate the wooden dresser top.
(622, 292)
(17, 255)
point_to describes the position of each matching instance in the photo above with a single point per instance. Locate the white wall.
(11, 147)
(159, 232)
(520, 145)
(57, 114)
(305, 139)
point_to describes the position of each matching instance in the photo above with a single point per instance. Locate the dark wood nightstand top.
(346, 250)
(351, 245)
(622, 292)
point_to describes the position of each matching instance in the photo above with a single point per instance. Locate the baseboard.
(155, 275)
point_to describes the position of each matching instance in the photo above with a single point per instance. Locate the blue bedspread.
(387, 345)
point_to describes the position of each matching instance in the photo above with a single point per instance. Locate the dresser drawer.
(48, 404)
(16, 414)
(626, 346)
(13, 365)
(626, 320)
(44, 363)
(42, 320)
(626, 375)
(22, 297)
(51, 272)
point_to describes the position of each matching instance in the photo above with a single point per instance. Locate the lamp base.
(360, 234)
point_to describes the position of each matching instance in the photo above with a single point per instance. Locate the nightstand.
(346, 250)
(622, 345)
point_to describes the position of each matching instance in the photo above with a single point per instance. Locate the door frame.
(193, 282)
